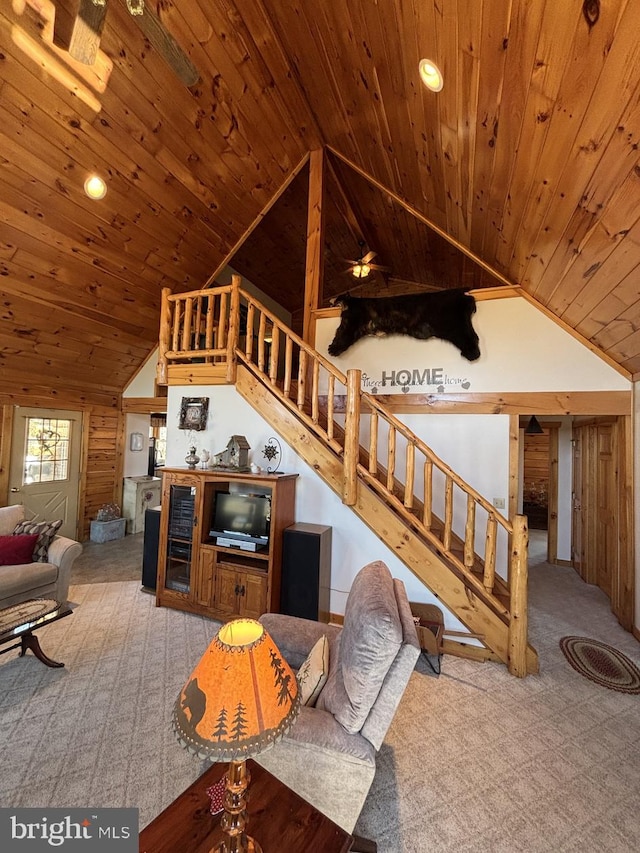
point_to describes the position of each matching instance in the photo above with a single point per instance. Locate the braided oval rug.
(601, 663)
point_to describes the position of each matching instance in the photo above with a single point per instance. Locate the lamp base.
(234, 818)
(235, 845)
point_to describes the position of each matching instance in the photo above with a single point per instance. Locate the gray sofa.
(329, 755)
(36, 580)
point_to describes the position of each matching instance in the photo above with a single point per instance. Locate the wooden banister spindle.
(331, 394)
(262, 326)
(210, 302)
(391, 457)
(234, 325)
(427, 511)
(197, 325)
(490, 554)
(274, 354)
(351, 439)
(186, 325)
(518, 626)
(224, 320)
(448, 514)
(470, 532)
(315, 379)
(410, 475)
(248, 344)
(164, 337)
(373, 443)
(177, 313)
(302, 378)
(288, 365)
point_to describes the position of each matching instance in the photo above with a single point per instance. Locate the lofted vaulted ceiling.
(528, 159)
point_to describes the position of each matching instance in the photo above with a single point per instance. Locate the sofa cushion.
(9, 517)
(28, 580)
(16, 550)
(313, 673)
(369, 642)
(46, 530)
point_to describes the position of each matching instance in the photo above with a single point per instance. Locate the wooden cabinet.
(240, 593)
(204, 572)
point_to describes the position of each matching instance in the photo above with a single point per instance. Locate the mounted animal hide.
(445, 314)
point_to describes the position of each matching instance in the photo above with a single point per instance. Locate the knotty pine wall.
(102, 445)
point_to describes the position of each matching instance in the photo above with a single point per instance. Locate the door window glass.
(46, 457)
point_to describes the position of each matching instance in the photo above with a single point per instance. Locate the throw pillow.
(17, 550)
(46, 530)
(313, 672)
(368, 644)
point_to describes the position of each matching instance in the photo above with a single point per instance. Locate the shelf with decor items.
(221, 534)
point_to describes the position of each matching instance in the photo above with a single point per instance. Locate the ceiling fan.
(363, 266)
(89, 22)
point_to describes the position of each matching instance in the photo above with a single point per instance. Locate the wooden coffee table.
(277, 818)
(19, 621)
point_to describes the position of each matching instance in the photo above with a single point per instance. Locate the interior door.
(606, 540)
(576, 503)
(596, 504)
(45, 465)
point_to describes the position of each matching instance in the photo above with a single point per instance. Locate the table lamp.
(240, 699)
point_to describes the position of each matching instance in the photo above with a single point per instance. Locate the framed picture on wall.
(194, 412)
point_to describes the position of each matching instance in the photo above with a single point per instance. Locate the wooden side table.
(277, 818)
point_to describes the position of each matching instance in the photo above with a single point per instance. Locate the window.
(46, 456)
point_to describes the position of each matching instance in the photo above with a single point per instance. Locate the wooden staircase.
(471, 557)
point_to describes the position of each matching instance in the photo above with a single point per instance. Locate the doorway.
(540, 484)
(44, 473)
(600, 538)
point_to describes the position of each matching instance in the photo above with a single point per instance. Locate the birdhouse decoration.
(235, 456)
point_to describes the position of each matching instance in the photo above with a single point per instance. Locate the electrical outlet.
(498, 503)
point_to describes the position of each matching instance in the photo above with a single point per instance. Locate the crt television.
(244, 517)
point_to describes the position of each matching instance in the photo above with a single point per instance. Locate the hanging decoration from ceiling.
(89, 23)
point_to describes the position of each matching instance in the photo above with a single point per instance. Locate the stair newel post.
(351, 439)
(234, 325)
(164, 337)
(519, 615)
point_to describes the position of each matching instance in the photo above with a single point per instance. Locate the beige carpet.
(475, 760)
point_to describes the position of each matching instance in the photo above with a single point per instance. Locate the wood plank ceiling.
(528, 157)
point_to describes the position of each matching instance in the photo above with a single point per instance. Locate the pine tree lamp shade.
(240, 699)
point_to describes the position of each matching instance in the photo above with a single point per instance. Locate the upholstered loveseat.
(35, 579)
(329, 755)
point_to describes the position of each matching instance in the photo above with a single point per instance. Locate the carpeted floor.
(475, 760)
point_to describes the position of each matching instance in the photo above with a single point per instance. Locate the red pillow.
(17, 550)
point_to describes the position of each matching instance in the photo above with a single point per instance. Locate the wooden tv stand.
(199, 575)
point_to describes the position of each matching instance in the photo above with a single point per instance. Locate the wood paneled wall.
(102, 449)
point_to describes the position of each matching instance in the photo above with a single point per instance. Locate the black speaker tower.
(306, 571)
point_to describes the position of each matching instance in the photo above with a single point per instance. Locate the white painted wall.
(521, 350)
(353, 544)
(143, 383)
(136, 462)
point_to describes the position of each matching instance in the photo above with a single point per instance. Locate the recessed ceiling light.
(431, 75)
(95, 187)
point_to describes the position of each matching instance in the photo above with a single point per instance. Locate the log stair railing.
(448, 534)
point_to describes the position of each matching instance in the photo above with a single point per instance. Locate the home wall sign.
(432, 378)
(194, 412)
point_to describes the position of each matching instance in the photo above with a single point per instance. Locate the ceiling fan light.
(431, 75)
(95, 187)
(361, 270)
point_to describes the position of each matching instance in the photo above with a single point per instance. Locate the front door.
(45, 465)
